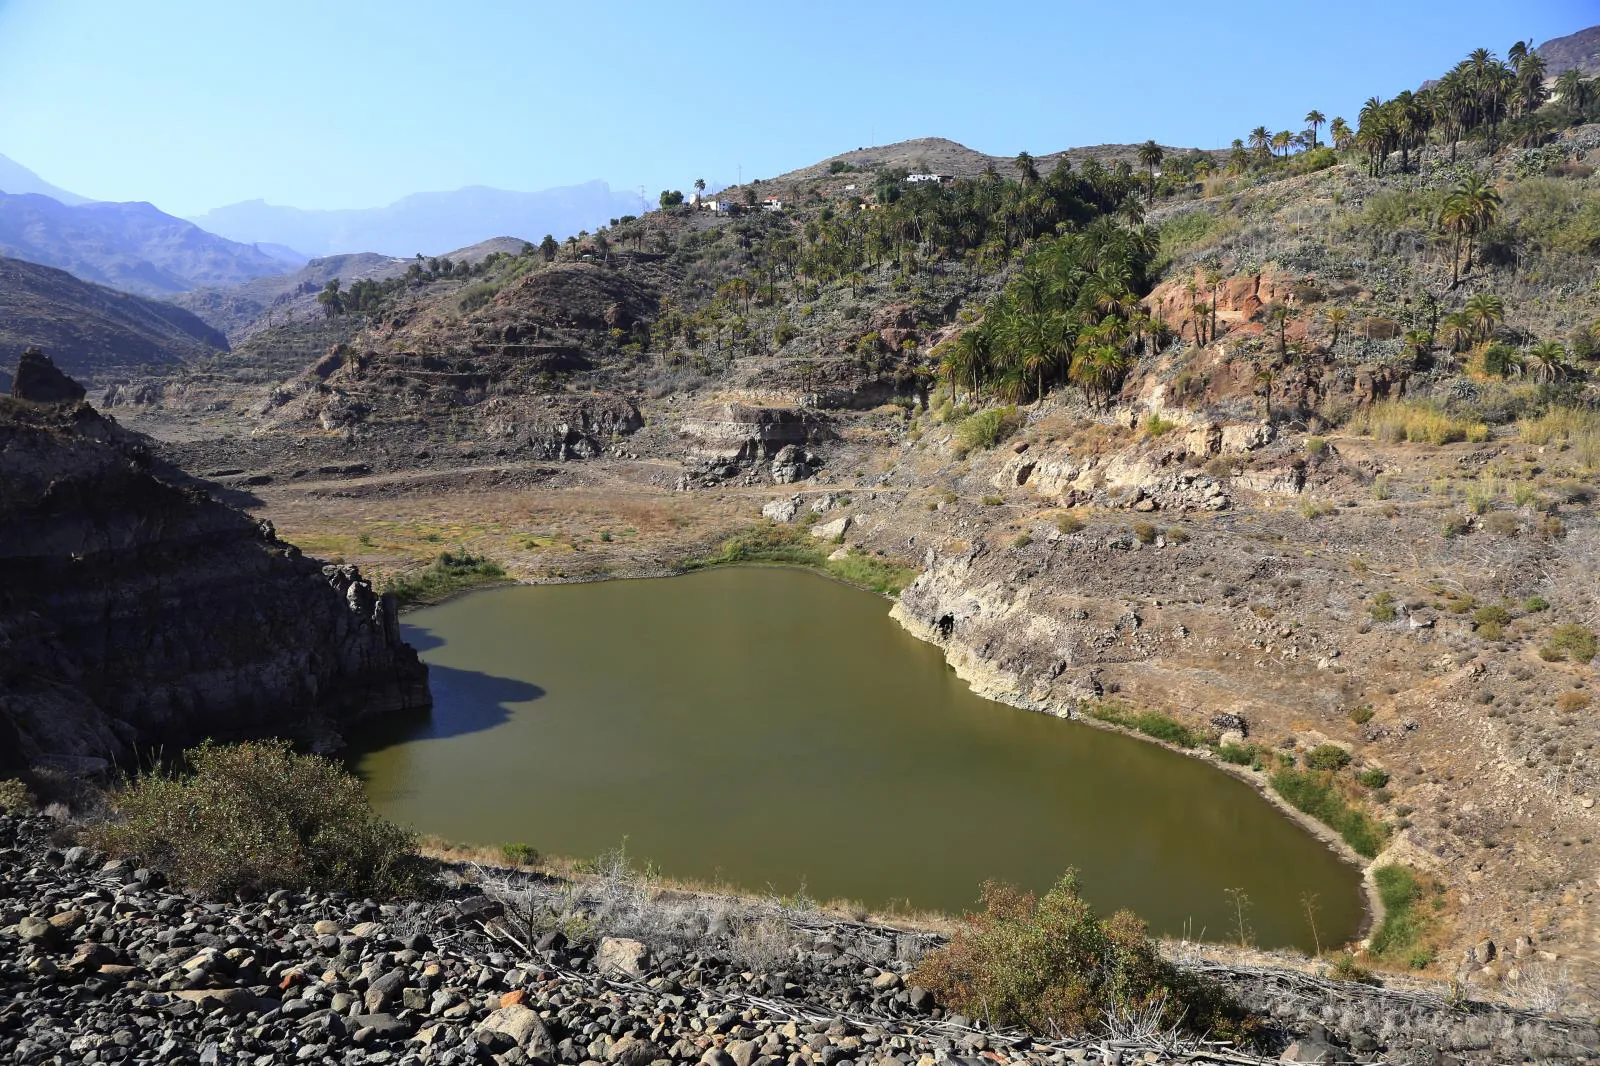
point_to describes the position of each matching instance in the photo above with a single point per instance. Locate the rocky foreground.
(102, 962)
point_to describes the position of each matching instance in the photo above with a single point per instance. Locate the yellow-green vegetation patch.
(1315, 792)
(1572, 642)
(14, 797)
(774, 544)
(986, 429)
(1151, 723)
(1410, 917)
(451, 572)
(1399, 421)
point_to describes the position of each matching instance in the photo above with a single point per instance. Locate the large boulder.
(519, 1027)
(620, 956)
(38, 379)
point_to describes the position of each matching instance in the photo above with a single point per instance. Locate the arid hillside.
(1284, 456)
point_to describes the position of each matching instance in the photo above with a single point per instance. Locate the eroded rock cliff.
(137, 611)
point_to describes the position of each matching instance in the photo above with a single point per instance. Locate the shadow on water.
(464, 701)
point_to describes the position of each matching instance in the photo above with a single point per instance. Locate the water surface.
(776, 729)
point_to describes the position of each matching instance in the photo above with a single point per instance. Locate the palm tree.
(1278, 315)
(700, 186)
(1283, 140)
(1458, 328)
(1573, 90)
(1336, 317)
(1530, 92)
(1343, 137)
(548, 248)
(1261, 141)
(1315, 119)
(1485, 311)
(1546, 362)
(1026, 170)
(1150, 156)
(1472, 207)
(1420, 344)
(1263, 382)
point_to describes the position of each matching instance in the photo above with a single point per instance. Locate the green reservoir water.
(776, 729)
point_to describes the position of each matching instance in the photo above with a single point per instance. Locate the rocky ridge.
(137, 610)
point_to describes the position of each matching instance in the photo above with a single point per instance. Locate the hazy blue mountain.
(428, 222)
(133, 246)
(16, 178)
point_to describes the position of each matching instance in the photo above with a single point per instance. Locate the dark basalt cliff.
(137, 611)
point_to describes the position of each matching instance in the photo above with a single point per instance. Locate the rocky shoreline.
(101, 962)
(986, 681)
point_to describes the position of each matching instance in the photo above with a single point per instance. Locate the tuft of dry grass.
(1569, 428)
(1400, 421)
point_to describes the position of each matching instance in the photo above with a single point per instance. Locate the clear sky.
(192, 104)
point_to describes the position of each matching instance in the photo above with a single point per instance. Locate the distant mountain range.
(16, 178)
(241, 310)
(133, 247)
(95, 334)
(426, 222)
(1579, 50)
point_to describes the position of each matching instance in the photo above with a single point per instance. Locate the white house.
(937, 179)
(772, 203)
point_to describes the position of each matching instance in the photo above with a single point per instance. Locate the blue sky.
(354, 103)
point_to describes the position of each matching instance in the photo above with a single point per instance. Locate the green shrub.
(450, 573)
(1313, 792)
(254, 817)
(1242, 754)
(519, 854)
(1053, 967)
(1361, 715)
(1569, 641)
(1396, 940)
(870, 572)
(992, 500)
(1373, 778)
(14, 797)
(477, 295)
(1316, 447)
(987, 428)
(1145, 532)
(1156, 426)
(1327, 757)
(1383, 608)
(1345, 968)
(1150, 723)
(1069, 522)
(1491, 620)
(767, 543)
(1535, 604)
(785, 545)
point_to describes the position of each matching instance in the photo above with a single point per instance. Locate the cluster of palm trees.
(981, 221)
(1479, 96)
(1071, 314)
